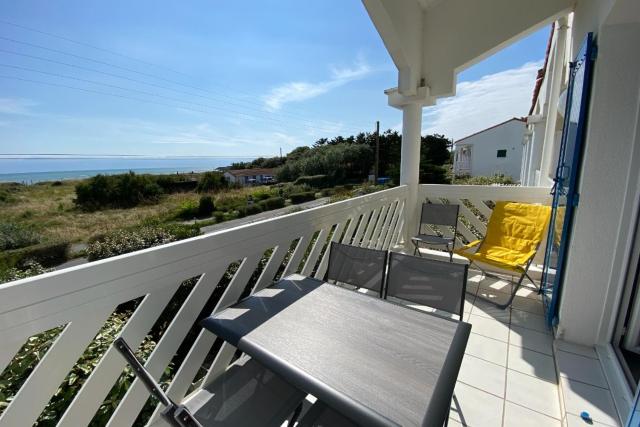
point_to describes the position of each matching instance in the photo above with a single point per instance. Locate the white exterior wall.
(609, 178)
(485, 145)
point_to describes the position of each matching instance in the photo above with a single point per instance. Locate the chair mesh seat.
(436, 284)
(429, 238)
(360, 267)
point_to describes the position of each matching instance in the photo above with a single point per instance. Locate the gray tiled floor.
(508, 377)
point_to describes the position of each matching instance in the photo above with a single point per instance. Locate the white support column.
(411, 106)
(410, 165)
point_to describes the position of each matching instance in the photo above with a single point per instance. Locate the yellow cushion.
(513, 234)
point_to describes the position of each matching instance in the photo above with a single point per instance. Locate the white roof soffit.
(435, 39)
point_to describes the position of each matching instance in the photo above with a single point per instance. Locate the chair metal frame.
(524, 272)
(522, 269)
(452, 243)
(383, 280)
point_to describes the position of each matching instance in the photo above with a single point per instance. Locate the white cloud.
(16, 106)
(300, 91)
(483, 103)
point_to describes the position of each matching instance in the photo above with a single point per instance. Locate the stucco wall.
(484, 160)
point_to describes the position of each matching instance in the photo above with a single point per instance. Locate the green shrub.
(30, 268)
(14, 236)
(230, 202)
(254, 209)
(263, 194)
(176, 183)
(116, 191)
(211, 181)
(499, 179)
(49, 254)
(188, 209)
(241, 212)
(307, 196)
(327, 192)
(205, 207)
(272, 203)
(219, 216)
(314, 181)
(124, 241)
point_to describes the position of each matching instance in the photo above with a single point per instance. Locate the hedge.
(315, 181)
(48, 254)
(116, 191)
(306, 196)
(272, 203)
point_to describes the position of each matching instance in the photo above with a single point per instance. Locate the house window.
(502, 153)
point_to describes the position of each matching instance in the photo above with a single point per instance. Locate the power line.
(129, 98)
(112, 52)
(312, 124)
(85, 58)
(224, 110)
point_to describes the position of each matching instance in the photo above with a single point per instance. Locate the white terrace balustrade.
(79, 300)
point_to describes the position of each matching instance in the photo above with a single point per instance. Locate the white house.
(492, 151)
(250, 176)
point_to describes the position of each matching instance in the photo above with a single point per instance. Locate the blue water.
(31, 170)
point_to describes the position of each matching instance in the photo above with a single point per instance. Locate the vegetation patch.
(117, 191)
(498, 179)
(306, 196)
(129, 240)
(49, 254)
(15, 236)
(211, 181)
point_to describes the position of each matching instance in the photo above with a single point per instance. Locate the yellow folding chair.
(514, 233)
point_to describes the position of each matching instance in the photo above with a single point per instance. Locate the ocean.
(29, 170)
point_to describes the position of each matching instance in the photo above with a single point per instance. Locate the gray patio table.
(378, 363)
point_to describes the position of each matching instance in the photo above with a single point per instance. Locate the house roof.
(250, 172)
(541, 73)
(520, 119)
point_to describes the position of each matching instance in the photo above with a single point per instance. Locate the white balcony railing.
(81, 299)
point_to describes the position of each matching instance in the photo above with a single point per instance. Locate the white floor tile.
(596, 401)
(532, 363)
(576, 421)
(528, 291)
(533, 393)
(576, 349)
(528, 304)
(532, 340)
(472, 287)
(496, 285)
(528, 320)
(468, 303)
(481, 374)
(476, 408)
(488, 349)
(517, 416)
(580, 368)
(489, 327)
(484, 308)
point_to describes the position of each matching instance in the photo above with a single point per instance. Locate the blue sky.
(220, 78)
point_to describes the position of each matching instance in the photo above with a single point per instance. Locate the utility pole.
(376, 172)
(280, 152)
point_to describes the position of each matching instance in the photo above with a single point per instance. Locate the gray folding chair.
(320, 415)
(436, 284)
(246, 394)
(360, 267)
(440, 215)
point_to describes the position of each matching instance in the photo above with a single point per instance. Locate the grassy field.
(50, 210)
